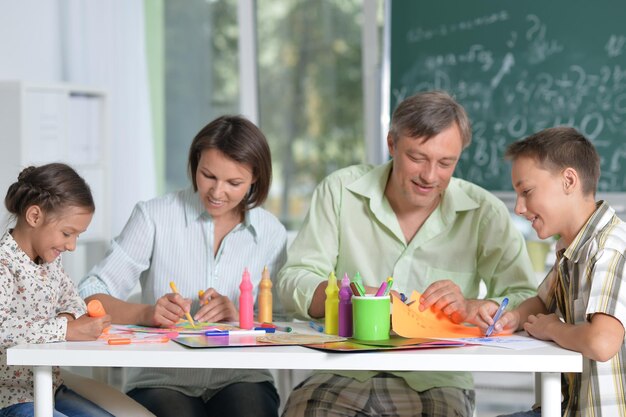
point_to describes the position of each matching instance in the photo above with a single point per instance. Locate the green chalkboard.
(518, 66)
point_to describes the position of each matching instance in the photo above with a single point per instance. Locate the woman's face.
(222, 183)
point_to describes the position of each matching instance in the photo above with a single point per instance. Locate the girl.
(52, 205)
(201, 237)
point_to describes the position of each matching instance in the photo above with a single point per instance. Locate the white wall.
(30, 41)
(100, 45)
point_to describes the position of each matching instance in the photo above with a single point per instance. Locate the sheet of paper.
(518, 341)
(408, 321)
(182, 327)
(351, 346)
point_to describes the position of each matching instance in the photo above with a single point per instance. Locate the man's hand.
(446, 296)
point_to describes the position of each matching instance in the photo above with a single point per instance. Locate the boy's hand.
(216, 307)
(87, 328)
(538, 326)
(484, 316)
(508, 322)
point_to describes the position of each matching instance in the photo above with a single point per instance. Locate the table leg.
(43, 391)
(537, 388)
(551, 394)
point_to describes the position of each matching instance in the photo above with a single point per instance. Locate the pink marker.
(246, 303)
(381, 290)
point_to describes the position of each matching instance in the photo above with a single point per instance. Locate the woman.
(201, 238)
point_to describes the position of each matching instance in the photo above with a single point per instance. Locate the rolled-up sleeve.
(313, 253)
(129, 255)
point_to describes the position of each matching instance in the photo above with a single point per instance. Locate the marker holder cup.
(370, 317)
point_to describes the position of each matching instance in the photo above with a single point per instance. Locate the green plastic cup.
(370, 317)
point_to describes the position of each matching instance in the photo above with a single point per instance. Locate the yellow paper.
(408, 321)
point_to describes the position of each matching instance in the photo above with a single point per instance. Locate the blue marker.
(496, 316)
(316, 326)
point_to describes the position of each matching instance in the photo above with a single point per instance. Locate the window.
(201, 75)
(310, 88)
(310, 96)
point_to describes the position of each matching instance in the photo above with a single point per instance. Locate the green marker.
(359, 283)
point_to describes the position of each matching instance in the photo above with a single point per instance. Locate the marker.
(286, 329)
(173, 287)
(358, 281)
(128, 341)
(200, 294)
(246, 302)
(403, 297)
(266, 329)
(381, 290)
(95, 309)
(496, 316)
(256, 331)
(389, 285)
(316, 326)
(354, 289)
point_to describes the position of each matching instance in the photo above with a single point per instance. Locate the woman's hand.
(216, 307)
(169, 309)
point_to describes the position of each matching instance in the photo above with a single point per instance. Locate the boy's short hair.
(558, 148)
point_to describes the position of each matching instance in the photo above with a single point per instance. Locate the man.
(411, 220)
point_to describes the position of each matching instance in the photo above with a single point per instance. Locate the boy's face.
(540, 196)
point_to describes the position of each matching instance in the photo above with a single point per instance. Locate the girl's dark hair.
(52, 187)
(243, 142)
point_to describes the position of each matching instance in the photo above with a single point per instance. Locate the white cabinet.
(56, 123)
(59, 123)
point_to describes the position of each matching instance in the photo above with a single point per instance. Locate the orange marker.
(264, 299)
(200, 294)
(128, 341)
(173, 287)
(95, 309)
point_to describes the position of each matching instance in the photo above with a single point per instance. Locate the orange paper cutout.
(408, 321)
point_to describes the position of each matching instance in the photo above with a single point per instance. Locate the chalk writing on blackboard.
(517, 71)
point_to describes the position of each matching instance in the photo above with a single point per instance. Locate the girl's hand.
(169, 309)
(85, 327)
(216, 307)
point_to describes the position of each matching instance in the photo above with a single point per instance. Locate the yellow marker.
(173, 287)
(331, 306)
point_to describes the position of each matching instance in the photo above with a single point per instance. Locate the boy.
(555, 173)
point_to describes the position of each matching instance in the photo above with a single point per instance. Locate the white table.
(547, 361)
